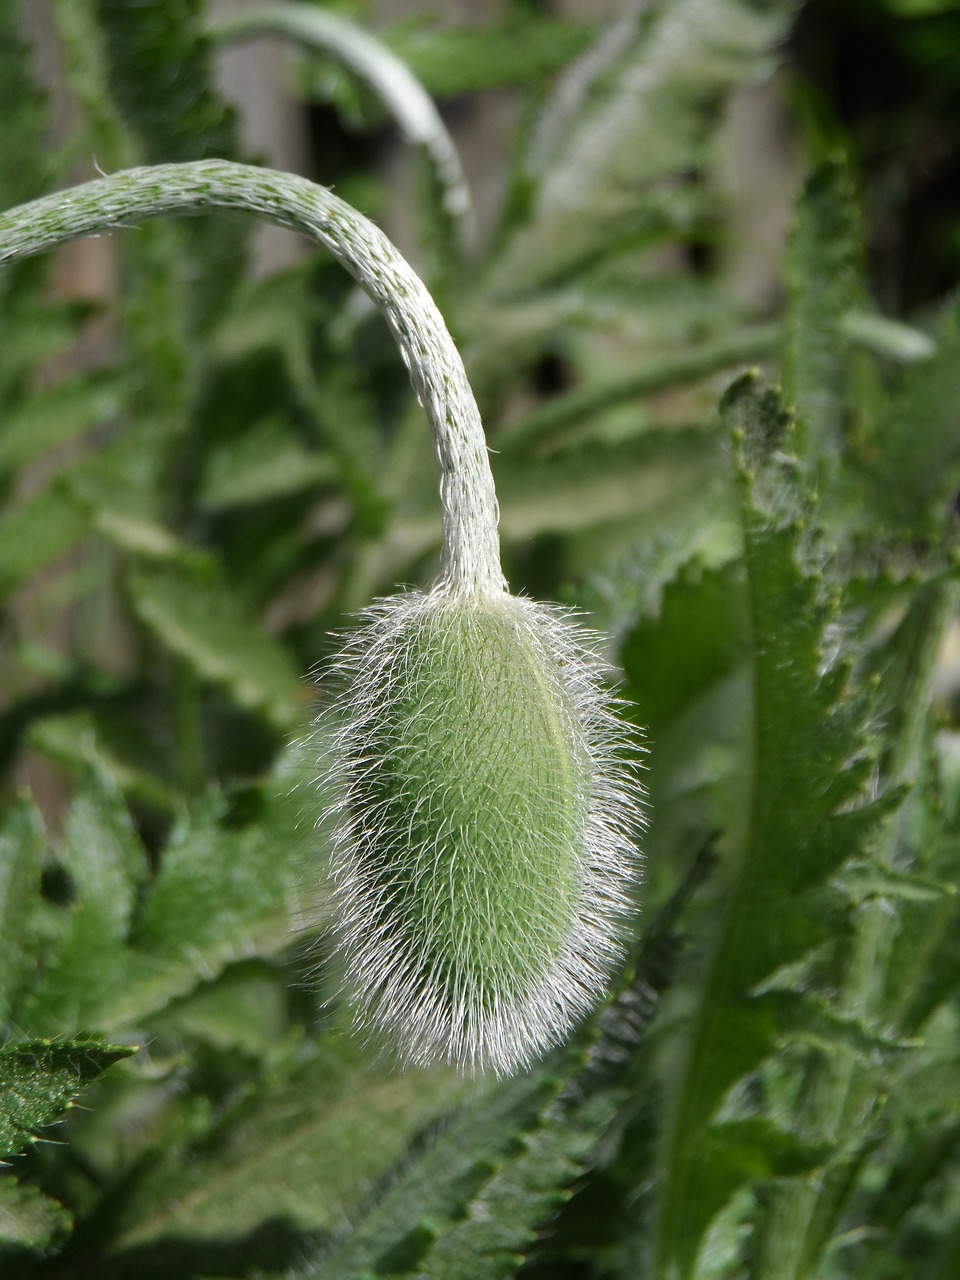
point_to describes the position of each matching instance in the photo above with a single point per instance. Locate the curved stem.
(471, 563)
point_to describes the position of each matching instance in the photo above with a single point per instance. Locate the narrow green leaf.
(886, 337)
(823, 272)
(735, 1153)
(306, 1150)
(861, 881)
(76, 741)
(451, 60)
(644, 485)
(814, 1021)
(205, 625)
(810, 771)
(24, 113)
(39, 1080)
(22, 853)
(55, 416)
(627, 120)
(644, 478)
(185, 120)
(37, 328)
(36, 532)
(106, 865)
(29, 1220)
(266, 462)
(696, 641)
(657, 373)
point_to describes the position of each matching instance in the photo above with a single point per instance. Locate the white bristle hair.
(432, 1013)
(486, 795)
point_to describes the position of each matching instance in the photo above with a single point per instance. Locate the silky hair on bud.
(484, 803)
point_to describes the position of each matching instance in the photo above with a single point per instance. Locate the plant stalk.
(471, 562)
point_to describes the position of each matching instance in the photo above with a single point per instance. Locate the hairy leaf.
(39, 1080)
(809, 766)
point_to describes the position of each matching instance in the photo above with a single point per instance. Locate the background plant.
(205, 470)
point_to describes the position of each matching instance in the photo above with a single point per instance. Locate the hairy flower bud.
(482, 854)
(483, 851)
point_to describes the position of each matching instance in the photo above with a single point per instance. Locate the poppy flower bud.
(482, 856)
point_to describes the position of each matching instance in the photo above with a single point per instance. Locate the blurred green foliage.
(204, 471)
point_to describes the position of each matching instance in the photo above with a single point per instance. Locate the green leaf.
(206, 626)
(29, 1220)
(823, 274)
(305, 1149)
(24, 113)
(643, 479)
(75, 740)
(222, 893)
(443, 1192)
(696, 641)
(814, 1021)
(39, 1080)
(242, 1012)
(886, 337)
(633, 116)
(914, 463)
(646, 484)
(266, 462)
(184, 120)
(22, 853)
(106, 865)
(36, 532)
(861, 881)
(477, 1196)
(55, 416)
(118, 486)
(807, 809)
(735, 1153)
(451, 60)
(658, 373)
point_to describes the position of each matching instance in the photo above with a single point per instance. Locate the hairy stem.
(471, 544)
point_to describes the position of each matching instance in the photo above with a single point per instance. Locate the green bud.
(482, 854)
